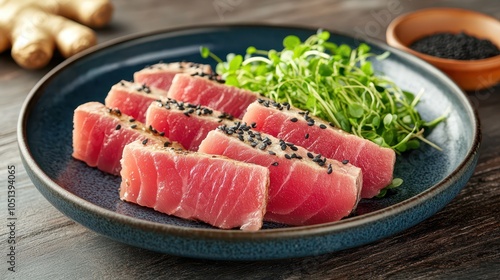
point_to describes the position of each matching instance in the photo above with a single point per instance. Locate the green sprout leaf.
(205, 52)
(291, 41)
(251, 50)
(356, 110)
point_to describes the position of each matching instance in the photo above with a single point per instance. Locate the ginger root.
(33, 28)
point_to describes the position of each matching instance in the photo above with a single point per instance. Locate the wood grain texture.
(462, 241)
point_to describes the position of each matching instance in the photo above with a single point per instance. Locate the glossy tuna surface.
(133, 99)
(296, 126)
(101, 133)
(222, 192)
(183, 122)
(304, 188)
(211, 93)
(160, 75)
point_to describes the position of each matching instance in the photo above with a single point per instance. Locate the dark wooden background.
(460, 242)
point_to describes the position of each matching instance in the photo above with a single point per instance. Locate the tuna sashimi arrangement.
(296, 126)
(304, 188)
(194, 185)
(101, 133)
(187, 145)
(183, 122)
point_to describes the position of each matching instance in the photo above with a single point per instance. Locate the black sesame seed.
(145, 141)
(287, 156)
(118, 127)
(293, 119)
(166, 144)
(309, 155)
(461, 46)
(271, 153)
(306, 136)
(133, 126)
(329, 170)
(322, 126)
(294, 155)
(275, 163)
(152, 129)
(345, 161)
(131, 120)
(162, 133)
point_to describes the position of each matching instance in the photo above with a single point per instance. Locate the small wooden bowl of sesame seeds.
(463, 44)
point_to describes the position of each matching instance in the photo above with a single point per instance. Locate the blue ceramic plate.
(431, 178)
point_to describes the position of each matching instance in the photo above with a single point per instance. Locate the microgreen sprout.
(334, 82)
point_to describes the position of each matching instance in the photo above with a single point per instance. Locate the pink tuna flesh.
(219, 191)
(161, 75)
(199, 90)
(185, 123)
(296, 126)
(304, 188)
(133, 99)
(100, 133)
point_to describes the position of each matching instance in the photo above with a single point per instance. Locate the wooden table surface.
(462, 241)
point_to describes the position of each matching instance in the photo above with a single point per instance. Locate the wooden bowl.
(468, 74)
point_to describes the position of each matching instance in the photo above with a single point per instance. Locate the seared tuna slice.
(219, 191)
(304, 188)
(296, 126)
